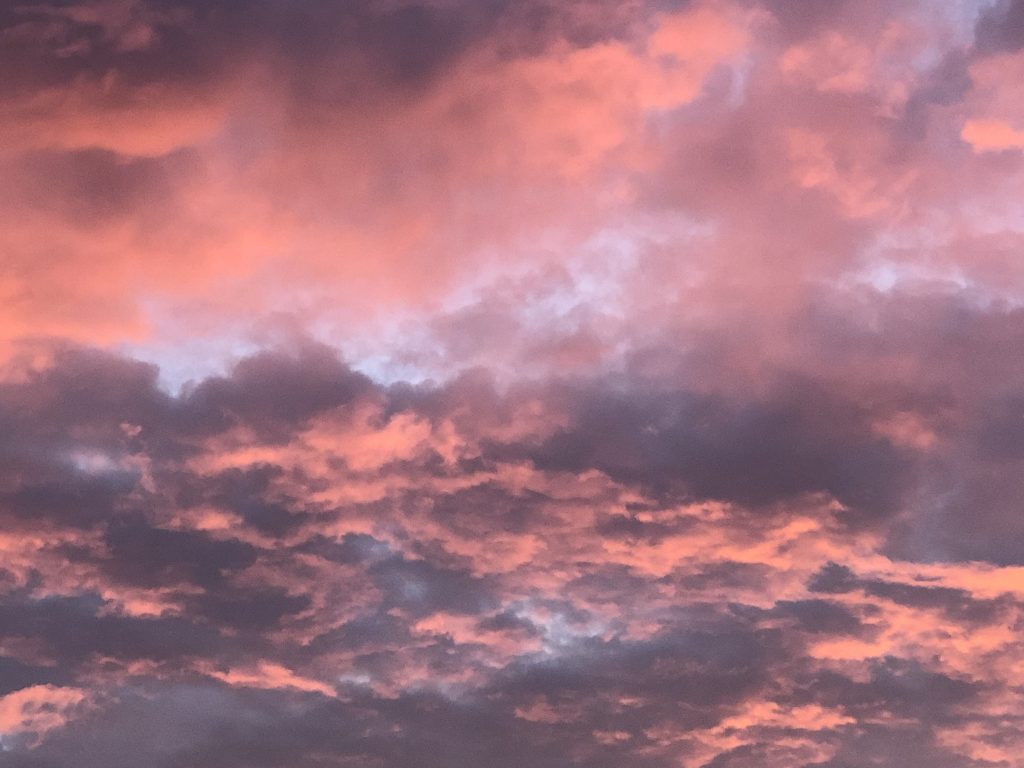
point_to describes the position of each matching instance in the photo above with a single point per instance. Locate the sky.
(511, 383)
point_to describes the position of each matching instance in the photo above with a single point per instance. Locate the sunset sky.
(511, 383)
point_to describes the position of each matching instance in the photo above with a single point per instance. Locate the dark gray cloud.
(72, 630)
(1000, 27)
(138, 553)
(803, 440)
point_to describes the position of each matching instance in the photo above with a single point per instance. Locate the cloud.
(444, 383)
(601, 582)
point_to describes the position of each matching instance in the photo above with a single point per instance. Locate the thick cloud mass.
(444, 384)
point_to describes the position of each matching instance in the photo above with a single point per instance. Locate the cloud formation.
(441, 383)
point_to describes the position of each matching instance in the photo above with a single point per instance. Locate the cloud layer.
(456, 384)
